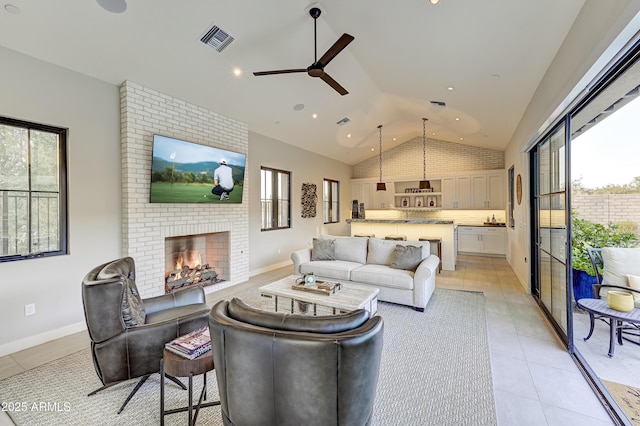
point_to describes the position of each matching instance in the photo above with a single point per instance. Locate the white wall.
(595, 29)
(36, 91)
(33, 90)
(273, 248)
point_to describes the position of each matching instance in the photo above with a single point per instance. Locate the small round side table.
(179, 366)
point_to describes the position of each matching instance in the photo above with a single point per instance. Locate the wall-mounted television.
(187, 172)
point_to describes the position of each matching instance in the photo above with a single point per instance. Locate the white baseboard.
(270, 268)
(38, 339)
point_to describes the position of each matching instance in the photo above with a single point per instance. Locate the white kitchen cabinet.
(495, 190)
(365, 191)
(456, 192)
(487, 190)
(482, 240)
(483, 190)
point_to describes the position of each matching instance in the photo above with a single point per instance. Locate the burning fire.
(191, 259)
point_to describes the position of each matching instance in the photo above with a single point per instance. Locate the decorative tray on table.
(321, 287)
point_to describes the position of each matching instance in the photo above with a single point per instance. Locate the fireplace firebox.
(201, 259)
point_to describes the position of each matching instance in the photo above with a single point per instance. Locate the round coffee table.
(615, 319)
(178, 366)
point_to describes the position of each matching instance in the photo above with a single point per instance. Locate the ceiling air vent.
(217, 38)
(343, 121)
(438, 103)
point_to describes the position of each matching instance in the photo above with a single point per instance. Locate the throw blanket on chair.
(309, 200)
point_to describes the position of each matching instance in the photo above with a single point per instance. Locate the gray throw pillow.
(407, 257)
(133, 312)
(323, 249)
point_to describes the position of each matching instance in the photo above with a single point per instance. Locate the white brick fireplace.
(145, 226)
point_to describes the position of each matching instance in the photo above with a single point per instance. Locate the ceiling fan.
(317, 68)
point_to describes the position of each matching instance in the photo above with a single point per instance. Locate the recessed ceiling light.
(461, 139)
(457, 118)
(394, 139)
(314, 115)
(373, 149)
(450, 88)
(434, 1)
(433, 134)
(349, 135)
(113, 6)
(12, 8)
(298, 107)
(237, 72)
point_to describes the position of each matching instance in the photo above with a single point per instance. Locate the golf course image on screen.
(186, 172)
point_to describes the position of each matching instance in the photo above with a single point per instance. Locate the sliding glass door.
(550, 229)
(584, 170)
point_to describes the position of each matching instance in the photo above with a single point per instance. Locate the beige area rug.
(435, 370)
(627, 397)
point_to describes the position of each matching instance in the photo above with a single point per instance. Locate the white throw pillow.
(634, 283)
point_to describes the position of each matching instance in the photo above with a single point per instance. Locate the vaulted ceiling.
(405, 54)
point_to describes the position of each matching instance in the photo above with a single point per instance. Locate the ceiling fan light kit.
(317, 68)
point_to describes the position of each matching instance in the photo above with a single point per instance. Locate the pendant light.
(381, 185)
(424, 183)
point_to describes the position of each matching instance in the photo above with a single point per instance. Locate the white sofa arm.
(424, 281)
(299, 257)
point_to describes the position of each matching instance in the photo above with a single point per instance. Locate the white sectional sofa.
(361, 261)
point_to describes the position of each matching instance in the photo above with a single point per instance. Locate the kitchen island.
(413, 229)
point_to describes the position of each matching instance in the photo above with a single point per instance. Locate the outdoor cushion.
(618, 263)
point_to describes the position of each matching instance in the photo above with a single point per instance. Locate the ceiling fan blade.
(342, 42)
(279, 71)
(331, 82)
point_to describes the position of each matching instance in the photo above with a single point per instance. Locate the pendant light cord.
(424, 149)
(380, 151)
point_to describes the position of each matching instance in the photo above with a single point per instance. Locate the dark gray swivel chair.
(277, 369)
(127, 333)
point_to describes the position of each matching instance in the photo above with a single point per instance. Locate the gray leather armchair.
(127, 333)
(277, 369)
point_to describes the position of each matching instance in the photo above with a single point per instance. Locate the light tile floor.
(535, 380)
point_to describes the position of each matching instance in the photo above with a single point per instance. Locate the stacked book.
(191, 345)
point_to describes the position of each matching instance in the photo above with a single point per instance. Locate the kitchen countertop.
(488, 225)
(406, 221)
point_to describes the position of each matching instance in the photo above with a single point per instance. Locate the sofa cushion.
(382, 252)
(618, 263)
(381, 275)
(334, 269)
(407, 257)
(351, 249)
(323, 249)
